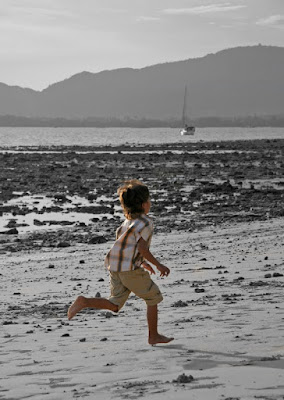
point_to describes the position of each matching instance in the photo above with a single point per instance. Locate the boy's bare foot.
(159, 339)
(75, 307)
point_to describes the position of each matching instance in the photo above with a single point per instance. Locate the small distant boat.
(187, 129)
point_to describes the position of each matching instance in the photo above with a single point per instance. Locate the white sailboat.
(186, 130)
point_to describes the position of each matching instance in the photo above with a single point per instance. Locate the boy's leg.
(118, 296)
(95, 302)
(140, 283)
(152, 318)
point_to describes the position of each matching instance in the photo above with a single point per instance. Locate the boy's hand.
(164, 271)
(147, 266)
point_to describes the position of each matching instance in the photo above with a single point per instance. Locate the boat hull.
(190, 130)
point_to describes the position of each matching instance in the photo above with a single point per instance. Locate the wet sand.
(219, 219)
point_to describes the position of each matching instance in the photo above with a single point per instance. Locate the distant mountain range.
(237, 82)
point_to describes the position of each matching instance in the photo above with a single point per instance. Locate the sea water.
(24, 136)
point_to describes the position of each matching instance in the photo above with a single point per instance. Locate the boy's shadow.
(169, 346)
(165, 347)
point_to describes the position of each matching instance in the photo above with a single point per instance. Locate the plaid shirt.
(124, 255)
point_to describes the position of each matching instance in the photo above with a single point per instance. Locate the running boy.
(126, 261)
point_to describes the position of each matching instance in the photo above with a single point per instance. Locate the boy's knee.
(154, 297)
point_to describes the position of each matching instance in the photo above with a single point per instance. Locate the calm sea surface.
(117, 136)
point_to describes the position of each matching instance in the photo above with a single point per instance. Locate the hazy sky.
(45, 41)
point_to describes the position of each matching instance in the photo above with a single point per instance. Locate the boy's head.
(133, 195)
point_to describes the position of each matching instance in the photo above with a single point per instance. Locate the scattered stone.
(199, 290)
(183, 379)
(232, 398)
(63, 244)
(98, 294)
(12, 231)
(108, 314)
(103, 339)
(51, 266)
(267, 276)
(82, 340)
(60, 197)
(65, 335)
(92, 196)
(180, 303)
(82, 262)
(258, 283)
(277, 274)
(39, 223)
(101, 280)
(64, 223)
(11, 224)
(97, 240)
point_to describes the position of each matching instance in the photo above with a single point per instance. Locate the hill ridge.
(243, 80)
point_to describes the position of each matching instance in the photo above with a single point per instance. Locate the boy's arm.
(145, 252)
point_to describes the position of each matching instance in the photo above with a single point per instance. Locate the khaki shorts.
(138, 282)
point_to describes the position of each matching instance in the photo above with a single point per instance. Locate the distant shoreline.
(273, 121)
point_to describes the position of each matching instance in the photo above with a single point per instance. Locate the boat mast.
(184, 107)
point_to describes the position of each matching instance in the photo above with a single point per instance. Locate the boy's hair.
(132, 194)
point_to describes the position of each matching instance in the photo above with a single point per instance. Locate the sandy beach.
(218, 213)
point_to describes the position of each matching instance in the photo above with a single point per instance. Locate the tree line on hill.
(99, 122)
